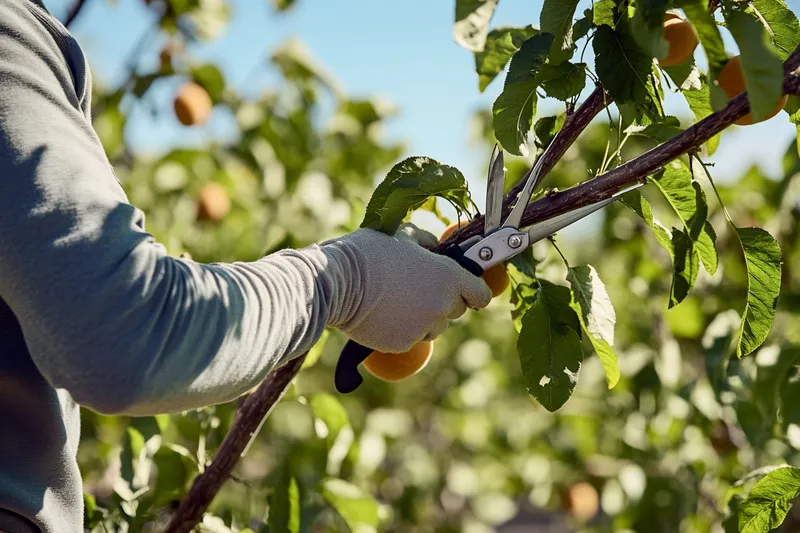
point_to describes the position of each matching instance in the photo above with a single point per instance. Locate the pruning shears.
(500, 241)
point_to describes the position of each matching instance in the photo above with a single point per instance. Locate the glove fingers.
(411, 232)
(475, 291)
(458, 309)
(437, 329)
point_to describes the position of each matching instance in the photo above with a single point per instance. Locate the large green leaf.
(700, 103)
(564, 80)
(556, 18)
(647, 26)
(514, 109)
(407, 186)
(685, 75)
(658, 131)
(501, 44)
(546, 129)
(330, 411)
(689, 202)
(780, 22)
(761, 64)
(769, 501)
(622, 66)
(472, 23)
(176, 467)
(685, 267)
(639, 205)
(708, 33)
(596, 313)
(763, 259)
(356, 507)
(549, 346)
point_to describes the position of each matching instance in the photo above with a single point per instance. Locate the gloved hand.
(406, 293)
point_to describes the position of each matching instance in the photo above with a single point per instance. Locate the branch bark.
(73, 13)
(258, 405)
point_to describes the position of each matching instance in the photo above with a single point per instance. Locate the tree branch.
(258, 405)
(248, 419)
(73, 13)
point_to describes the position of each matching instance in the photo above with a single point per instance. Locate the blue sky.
(402, 51)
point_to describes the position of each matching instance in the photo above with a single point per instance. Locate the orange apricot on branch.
(731, 80)
(213, 202)
(682, 40)
(192, 105)
(394, 367)
(496, 277)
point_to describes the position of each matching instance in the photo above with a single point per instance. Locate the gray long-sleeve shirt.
(92, 310)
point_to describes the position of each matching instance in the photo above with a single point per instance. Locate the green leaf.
(472, 23)
(623, 68)
(501, 44)
(708, 33)
(700, 103)
(647, 27)
(549, 346)
(685, 75)
(792, 107)
(546, 128)
(563, 81)
(582, 26)
(685, 266)
(790, 398)
(316, 352)
(639, 205)
(761, 64)
(603, 12)
(763, 259)
(593, 307)
(175, 467)
(407, 186)
(769, 501)
(780, 22)
(688, 200)
(328, 409)
(525, 263)
(658, 131)
(284, 504)
(556, 18)
(514, 109)
(356, 507)
(212, 80)
(132, 448)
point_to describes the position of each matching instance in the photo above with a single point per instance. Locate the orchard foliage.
(687, 419)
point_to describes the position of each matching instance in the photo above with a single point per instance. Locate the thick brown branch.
(73, 13)
(248, 419)
(258, 405)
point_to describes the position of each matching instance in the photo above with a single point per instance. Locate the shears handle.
(346, 377)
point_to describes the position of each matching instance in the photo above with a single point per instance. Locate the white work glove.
(406, 293)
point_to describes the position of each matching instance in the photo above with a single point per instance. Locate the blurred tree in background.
(460, 446)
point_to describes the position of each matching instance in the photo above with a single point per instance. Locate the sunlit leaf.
(659, 131)
(407, 186)
(356, 507)
(708, 33)
(769, 501)
(781, 24)
(501, 44)
(647, 26)
(603, 12)
(284, 504)
(175, 467)
(328, 409)
(563, 81)
(686, 76)
(622, 66)
(639, 205)
(211, 79)
(685, 267)
(763, 258)
(761, 64)
(556, 18)
(594, 309)
(549, 347)
(700, 103)
(546, 128)
(472, 20)
(514, 109)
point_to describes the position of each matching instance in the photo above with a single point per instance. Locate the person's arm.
(110, 317)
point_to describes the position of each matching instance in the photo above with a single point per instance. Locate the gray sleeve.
(106, 313)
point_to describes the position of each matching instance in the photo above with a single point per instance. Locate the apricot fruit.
(394, 367)
(192, 105)
(581, 501)
(496, 277)
(731, 80)
(213, 202)
(682, 40)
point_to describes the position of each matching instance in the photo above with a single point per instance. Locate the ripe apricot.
(681, 38)
(496, 277)
(398, 366)
(192, 105)
(581, 500)
(731, 80)
(213, 202)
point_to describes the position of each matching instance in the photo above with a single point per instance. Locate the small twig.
(73, 13)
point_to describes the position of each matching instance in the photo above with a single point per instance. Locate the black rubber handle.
(346, 377)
